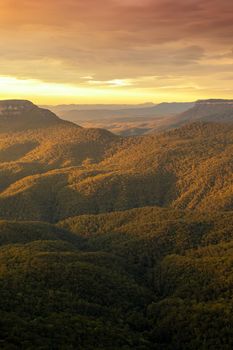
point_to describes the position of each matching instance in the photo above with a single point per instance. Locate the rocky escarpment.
(213, 110)
(19, 115)
(210, 110)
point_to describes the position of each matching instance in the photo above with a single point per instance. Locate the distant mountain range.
(120, 119)
(83, 113)
(88, 107)
(143, 120)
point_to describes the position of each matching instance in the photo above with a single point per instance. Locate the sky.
(116, 51)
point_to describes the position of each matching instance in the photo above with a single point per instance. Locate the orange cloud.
(60, 41)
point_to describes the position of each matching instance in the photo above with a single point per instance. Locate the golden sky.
(114, 51)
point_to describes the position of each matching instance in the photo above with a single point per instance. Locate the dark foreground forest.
(142, 279)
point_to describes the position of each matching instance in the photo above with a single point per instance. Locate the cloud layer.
(173, 49)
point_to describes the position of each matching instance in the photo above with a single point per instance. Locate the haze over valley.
(122, 120)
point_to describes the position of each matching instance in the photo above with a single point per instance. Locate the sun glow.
(43, 92)
(115, 91)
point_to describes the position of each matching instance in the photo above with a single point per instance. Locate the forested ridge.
(117, 243)
(67, 171)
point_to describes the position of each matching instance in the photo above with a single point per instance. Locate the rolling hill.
(68, 171)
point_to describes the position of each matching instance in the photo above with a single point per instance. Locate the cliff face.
(19, 115)
(216, 111)
(210, 110)
(15, 107)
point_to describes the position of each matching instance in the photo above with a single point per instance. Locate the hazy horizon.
(116, 51)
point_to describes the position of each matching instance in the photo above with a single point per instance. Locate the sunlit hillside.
(63, 170)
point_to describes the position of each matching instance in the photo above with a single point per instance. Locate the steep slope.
(19, 115)
(210, 110)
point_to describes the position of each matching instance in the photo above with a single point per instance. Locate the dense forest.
(114, 243)
(146, 278)
(61, 171)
